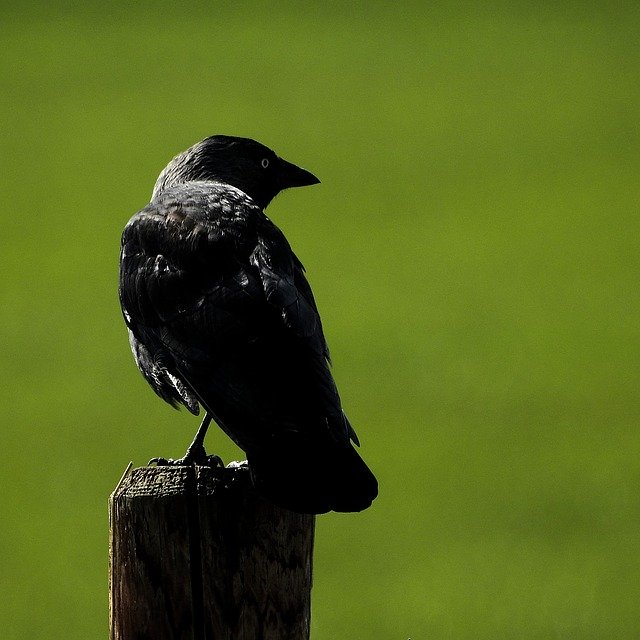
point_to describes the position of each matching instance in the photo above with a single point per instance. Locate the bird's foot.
(195, 455)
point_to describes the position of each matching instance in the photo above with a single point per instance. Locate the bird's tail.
(328, 476)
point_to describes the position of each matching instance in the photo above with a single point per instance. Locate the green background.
(473, 248)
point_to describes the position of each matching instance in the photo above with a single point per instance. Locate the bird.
(221, 317)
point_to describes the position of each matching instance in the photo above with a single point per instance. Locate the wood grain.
(196, 554)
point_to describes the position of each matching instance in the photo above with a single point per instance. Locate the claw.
(192, 457)
(215, 461)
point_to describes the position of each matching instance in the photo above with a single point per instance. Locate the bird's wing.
(288, 291)
(177, 269)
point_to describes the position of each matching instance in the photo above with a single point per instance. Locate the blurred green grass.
(473, 250)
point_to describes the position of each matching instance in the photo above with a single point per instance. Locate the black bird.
(220, 315)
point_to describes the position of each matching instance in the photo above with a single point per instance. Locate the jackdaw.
(221, 316)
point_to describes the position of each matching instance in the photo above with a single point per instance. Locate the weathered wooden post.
(196, 554)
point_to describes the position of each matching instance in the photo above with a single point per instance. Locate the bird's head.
(240, 162)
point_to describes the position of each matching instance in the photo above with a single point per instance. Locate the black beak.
(289, 175)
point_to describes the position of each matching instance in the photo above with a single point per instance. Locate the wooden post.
(196, 554)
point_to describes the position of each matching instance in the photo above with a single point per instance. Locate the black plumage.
(221, 315)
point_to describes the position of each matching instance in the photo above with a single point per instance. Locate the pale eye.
(265, 163)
